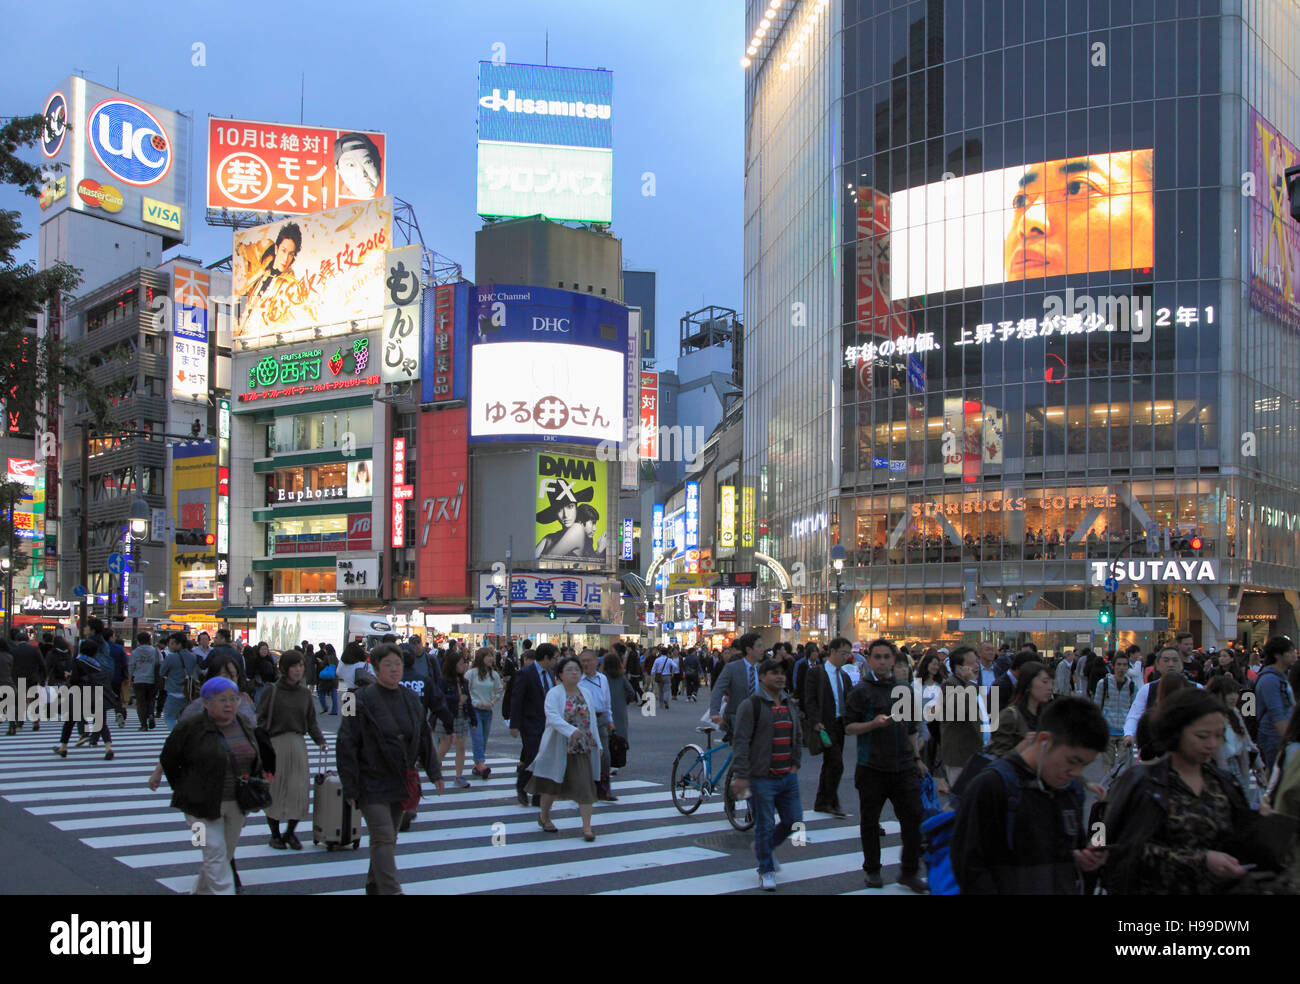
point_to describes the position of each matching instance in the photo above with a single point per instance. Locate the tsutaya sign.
(1152, 571)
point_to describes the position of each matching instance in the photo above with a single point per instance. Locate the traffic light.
(1104, 615)
(550, 612)
(1194, 543)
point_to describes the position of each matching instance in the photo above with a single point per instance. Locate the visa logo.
(161, 213)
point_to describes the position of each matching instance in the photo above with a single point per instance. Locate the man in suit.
(737, 682)
(1007, 681)
(825, 687)
(29, 671)
(801, 667)
(528, 712)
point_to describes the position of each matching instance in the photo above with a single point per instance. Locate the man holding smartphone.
(1020, 828)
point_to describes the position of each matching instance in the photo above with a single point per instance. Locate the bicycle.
(694, 781)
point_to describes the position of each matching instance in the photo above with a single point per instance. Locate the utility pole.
(83, 575)
(510, 577)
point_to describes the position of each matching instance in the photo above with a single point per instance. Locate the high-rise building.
(1021, 314)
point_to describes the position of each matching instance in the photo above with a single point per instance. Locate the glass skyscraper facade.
(1020, 301)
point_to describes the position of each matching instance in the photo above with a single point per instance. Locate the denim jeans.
(770, 797)
(333, 694)
(172, 709)
(479, 733)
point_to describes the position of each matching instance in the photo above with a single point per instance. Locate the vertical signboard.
(400, 341)
(649, 416)
(629, 536)
(692, 527)
(223, 495)
(445, 343)
(194, 565)
(726, 520)
(401, 492)
(657, 538)
(190, 290)
(442, 570)
(747, 517)
(1273, 257)
(632, 381)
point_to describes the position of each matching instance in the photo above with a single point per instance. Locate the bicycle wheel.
(740, 813)
(690, 779)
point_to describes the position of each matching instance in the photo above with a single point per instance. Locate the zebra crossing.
(465, 841)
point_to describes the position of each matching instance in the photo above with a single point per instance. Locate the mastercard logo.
(98, 195)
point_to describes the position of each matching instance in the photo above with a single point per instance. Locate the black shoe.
(370, 889)
(916, 883)
(874, 880)
(152, 724)
(523, 799)
(837, 813)
(881, 829)
(405, 825)
(278, 843)
(296, 845)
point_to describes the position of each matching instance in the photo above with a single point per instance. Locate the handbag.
(414, 792)
(252, 793)
(328, 673)
(618, 747)
(929, 797)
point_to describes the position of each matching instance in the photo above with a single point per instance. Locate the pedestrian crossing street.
(463, 842)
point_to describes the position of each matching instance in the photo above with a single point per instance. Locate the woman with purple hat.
(204, 758)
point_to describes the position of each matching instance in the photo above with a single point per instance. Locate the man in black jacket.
(1007, 681)
(222, 648)
(887, 765)
(826, 689)
(29, 671)
(528, 712)
(388, 734)
(1020, 826)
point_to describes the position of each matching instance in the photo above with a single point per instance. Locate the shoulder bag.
(252, 793)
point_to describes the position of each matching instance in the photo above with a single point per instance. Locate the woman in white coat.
(568, 758)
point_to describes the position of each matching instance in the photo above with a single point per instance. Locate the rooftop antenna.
(302, 95)
(118, 84)
(547, 56)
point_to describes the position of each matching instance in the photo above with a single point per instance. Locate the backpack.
(936, 833)
(191, 685)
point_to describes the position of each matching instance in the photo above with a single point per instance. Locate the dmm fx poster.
(572, 502)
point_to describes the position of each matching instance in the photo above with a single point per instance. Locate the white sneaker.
(767, 882)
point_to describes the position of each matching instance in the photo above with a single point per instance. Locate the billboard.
(1083, 214)
(340, 363)
(118, 158)
(545, 142)
(572, 503)
(532, 591)
(692, 527)
(190, 291)
(726, 520)
(547, 364)
(194, 562)
(442, 568)
(285, 630)
(1274, 255)
(649, 444)
(445, 356)
(402, 314)
(291, 169)
(318, 271)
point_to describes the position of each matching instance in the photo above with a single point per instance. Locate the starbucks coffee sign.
(1176, 571)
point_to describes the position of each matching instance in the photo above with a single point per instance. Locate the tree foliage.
(25, 366)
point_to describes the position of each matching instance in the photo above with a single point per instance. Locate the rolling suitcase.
(334, 823)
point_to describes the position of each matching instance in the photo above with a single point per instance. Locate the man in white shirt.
(664, 668)
(596, 688)
(1168, 661)
(988, 675)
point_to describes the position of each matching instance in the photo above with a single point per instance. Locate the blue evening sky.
(410, 69)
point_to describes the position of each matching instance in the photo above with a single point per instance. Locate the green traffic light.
(1103, 616)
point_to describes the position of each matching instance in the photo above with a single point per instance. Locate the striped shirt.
(782, 740)
(244, 754)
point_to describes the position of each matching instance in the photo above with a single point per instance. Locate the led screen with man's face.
(1072, 215)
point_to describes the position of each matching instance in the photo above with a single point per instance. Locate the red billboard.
(443, 513)
(291, 170)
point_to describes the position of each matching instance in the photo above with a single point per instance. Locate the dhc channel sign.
(129, 142)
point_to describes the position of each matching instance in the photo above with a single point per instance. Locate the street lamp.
(42, 590)
(838, 556)
(6, 568)
(140, 515)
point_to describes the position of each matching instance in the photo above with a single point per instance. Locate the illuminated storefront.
(1053, 340)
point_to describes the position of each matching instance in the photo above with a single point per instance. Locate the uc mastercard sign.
(114, 150)
(97, 195)
(129, 141)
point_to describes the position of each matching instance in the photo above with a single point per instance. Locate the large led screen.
(572, 502)
(545, 142)
(547, 364)
(1072, 215)
(322, 270)
(1274, 256)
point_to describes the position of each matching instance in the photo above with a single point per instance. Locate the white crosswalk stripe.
(465, 841)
